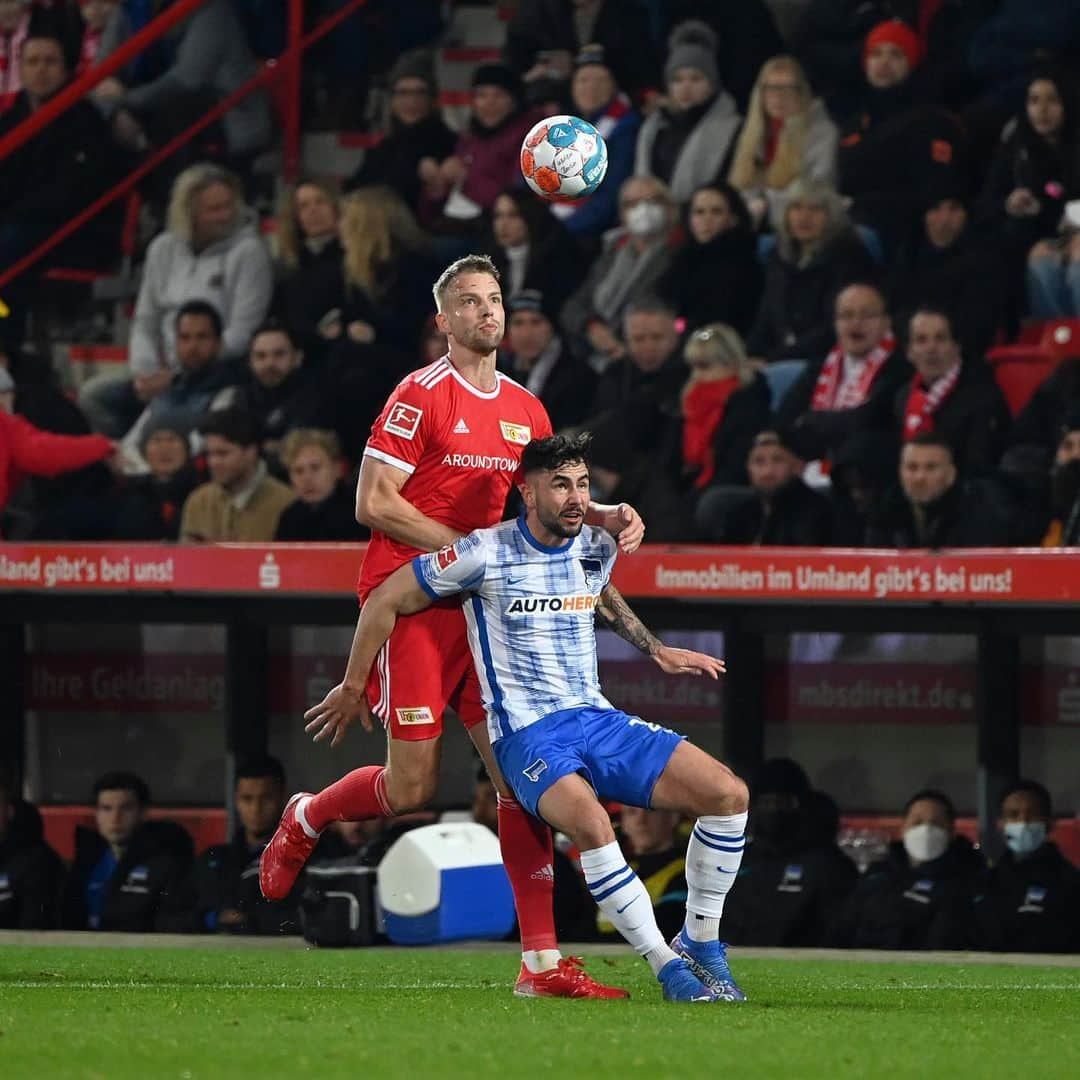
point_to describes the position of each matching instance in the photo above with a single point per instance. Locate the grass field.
(101, 1012)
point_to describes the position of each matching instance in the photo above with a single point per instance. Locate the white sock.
(712, 863)
(538, 960)
(625, 901)
(300, 810)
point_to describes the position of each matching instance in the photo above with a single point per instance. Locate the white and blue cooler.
(445, 882)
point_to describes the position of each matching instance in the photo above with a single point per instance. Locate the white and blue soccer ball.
(563, 158)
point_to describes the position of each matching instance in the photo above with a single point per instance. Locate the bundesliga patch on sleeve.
(446, 557)
(404, 420)
(516, 433)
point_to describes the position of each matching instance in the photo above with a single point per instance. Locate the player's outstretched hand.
(330, 719)
(627, 527)
(687, 662)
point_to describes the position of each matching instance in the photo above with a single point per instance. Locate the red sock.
(357, 796)
(527, 851)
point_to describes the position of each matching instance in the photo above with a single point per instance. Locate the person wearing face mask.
(1064, 527)
(1031, 899)
(715, 274)
(921, 895)
(792, 881)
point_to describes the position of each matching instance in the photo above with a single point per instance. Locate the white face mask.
(926, 842)
(1024, 837)
(646, 218)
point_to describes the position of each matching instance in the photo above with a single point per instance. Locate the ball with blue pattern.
(564, 158)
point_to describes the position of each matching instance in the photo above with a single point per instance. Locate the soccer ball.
(563, 158)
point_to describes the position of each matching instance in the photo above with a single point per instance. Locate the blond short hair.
(301, 438)
(718, 343)
(467, 264)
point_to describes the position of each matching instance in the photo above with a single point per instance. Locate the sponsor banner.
(872, 577)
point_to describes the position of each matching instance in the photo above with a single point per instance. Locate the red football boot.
(284, 857)
(568, 980)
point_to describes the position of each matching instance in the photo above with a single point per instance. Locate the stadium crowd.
(775, 315)
(930, 889)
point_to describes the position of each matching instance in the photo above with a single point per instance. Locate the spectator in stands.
(715, 274)
(95, 16)
(201, 373)
(532, 249)
(895, 147)
(852, 387)
(310, 290)
(277, 389)
(655, 849)
(325, 508)
(544, 36)
(596, 96)
(725, 403)
(208, 58)
(128, 872)
(946, 262)
(14, 26)
(211, 251)
(31, 873)
(26, 450)
(863, 470)
(792, 882)
(688, 140)
(921, 895)
(1034, 173)
(539, 360)
(787, 136)
(817, 252)
(779, 509)
(225, 881)
(241, 501)
(415, 132)
(148, 507)
(933, 507)
(949, 396)
(1051, 406)
(1030, 901)
(486, 155)
(634, 258)
(1064, 527)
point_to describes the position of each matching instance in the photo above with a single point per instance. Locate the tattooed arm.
(614, 612)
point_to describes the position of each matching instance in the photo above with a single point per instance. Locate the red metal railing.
(287, 66)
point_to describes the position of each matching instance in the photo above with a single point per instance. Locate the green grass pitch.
(100, 1012)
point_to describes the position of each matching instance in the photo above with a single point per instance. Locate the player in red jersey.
(440, 462)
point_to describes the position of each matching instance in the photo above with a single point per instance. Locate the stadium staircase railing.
(283, 71)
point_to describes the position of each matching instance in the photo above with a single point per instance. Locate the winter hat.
(415, 64)
(692, 44)
(530, 300)
(500, 75)
(591, 54)
(177, 423)
(894, 32)
(7, 383)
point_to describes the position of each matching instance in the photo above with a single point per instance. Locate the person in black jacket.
(817, 252)
(933, 507)
(777, 510)
(324, 509)
(224, 883)
(793, 879)
(540, 360)
(31, 873)
(851, 387)
(921, 895)
(128, 874)
(715, 274)
(1031, 898)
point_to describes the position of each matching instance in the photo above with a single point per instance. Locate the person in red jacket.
(28, 451)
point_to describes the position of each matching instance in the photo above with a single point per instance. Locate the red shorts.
(424, 667)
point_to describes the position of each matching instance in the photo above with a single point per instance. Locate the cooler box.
(445, 882)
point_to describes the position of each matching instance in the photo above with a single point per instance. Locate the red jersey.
(461, 448)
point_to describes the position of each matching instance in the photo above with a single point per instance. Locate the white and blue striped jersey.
(529, 610)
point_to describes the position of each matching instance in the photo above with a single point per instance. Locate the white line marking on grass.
(64, 984)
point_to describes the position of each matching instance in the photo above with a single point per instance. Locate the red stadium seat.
(1020, 376)
(1061, 337)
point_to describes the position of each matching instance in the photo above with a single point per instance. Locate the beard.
(481, 341)
(560, 526)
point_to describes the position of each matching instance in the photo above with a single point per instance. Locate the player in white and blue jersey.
(531, 589)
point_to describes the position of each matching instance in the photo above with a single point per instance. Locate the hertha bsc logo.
(593, 569)
(535, 769)
(403, 420)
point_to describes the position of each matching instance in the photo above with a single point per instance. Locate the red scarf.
(827, 391)
(91, 46)
(923, 403)
(703, 407)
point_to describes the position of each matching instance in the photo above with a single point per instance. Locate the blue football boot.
(680, 983)
(708, 961)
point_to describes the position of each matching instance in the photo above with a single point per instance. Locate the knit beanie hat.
(415, 64)
(894, 32)
(692, 44)
(177, 423)
(591, 54)
(500, 75)
(530, 300)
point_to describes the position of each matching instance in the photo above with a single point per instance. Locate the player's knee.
(732, 796)
(406, 794)
(592, 829)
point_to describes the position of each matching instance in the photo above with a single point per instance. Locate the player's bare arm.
(622, 521)
(398, 595)
(615, 613)
(380, 505)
